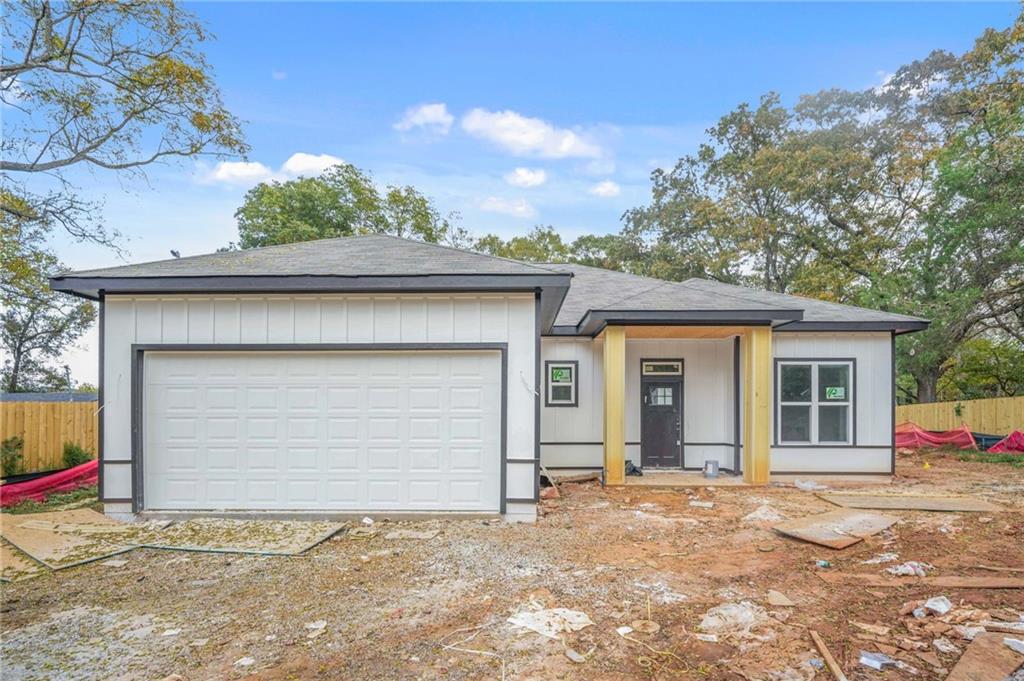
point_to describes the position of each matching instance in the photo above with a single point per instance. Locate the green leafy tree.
(110, 86)
(36, 327)
(342, 201)
(983, 367)
(541, 244)
(907, 197)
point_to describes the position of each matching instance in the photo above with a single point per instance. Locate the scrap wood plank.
(985, 659)
(950, 582)
(15, 565)
(836, 529)
(910, 502)
(833, 666)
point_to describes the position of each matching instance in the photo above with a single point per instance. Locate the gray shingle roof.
(594, 288)
(364, 255)
(814, 310)
(597, 289)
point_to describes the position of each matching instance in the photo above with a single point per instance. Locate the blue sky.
(584, 99)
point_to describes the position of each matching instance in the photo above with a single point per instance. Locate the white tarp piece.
(551, 622)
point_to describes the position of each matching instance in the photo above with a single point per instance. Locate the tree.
(721, 213)
(541, 244)
(908, 197)
(106, 85)
(983, 367)
(36, 327)
(340, 202)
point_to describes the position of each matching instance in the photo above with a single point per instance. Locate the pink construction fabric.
(911, 436)
(1011, 444)
(63, 481)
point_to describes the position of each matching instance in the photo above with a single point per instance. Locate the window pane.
(834, 382)
(561, 393)
(561, 374)
(796, 382)
(661, 396)
(795, 424)
(832, 423)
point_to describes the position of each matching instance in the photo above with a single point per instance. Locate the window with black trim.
(561, 381)
(814, 402)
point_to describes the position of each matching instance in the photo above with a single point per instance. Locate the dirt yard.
(368, 607)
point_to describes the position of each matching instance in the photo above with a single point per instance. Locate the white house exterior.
(379, 375)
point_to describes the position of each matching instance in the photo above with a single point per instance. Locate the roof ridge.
(466, 250)
(728, 295)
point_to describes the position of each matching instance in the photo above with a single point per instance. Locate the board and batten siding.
(873, 403)
(572, 436)
(319, 319)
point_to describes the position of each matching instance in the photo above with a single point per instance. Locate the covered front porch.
(692, 393)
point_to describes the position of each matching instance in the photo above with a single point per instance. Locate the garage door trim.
(139, 350)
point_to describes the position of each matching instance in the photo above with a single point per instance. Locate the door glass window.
(661, 396)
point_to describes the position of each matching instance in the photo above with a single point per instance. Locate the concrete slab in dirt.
(221, 535)
(836, 529)
(986, 658)
(911, 502)
(62, 539)
(15, 565)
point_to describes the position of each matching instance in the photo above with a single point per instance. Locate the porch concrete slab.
(682, 479)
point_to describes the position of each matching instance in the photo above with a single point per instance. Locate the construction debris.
(986, 658)
(552, 621)
(938, 605)
(948, 582)
(836, 529)
(778, 599)
(734, 619)
(911, 502)
(702, 504)
(911, 568)
(830, 661)
(411, 534)
(764, 514)
(877, 661)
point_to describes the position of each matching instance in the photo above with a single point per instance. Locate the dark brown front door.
(661, 419)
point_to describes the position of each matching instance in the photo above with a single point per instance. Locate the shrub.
(10, 455)
(75, 454)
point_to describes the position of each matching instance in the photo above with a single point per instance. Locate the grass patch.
(55, 501)
(1015, 460)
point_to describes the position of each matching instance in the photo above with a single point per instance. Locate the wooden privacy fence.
(46, 421)
(997, 416)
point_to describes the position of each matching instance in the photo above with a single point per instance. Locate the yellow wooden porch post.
(757, 404)
(615, 405)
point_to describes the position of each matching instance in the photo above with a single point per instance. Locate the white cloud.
(239, 172)
(309, 164)
(600, 166)
(432, 118)
(248, 173)
(519, 208)
(606, 189)
(527, 177)
(525, 136)
(278, 75)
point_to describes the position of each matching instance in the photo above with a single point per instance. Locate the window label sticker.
(835, 393)
(561, 375)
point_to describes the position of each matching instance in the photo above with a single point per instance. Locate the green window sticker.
(561, 374)
(835, 393)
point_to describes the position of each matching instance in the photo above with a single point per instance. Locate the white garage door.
(322, 430)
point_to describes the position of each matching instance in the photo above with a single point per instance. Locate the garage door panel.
(322, 430)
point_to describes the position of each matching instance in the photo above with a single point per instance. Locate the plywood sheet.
(986, 658)
(266, 537)
(947, 581)
(911, 502)
(61, 539)
(15, 565)
(836, 529)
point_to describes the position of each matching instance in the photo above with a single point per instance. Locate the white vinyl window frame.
(551, 381)
(815, 402)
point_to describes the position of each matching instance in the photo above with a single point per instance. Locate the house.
(373, 373)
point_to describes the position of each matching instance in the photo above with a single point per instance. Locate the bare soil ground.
(391, 606)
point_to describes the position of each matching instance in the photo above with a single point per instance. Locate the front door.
(661, 419)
